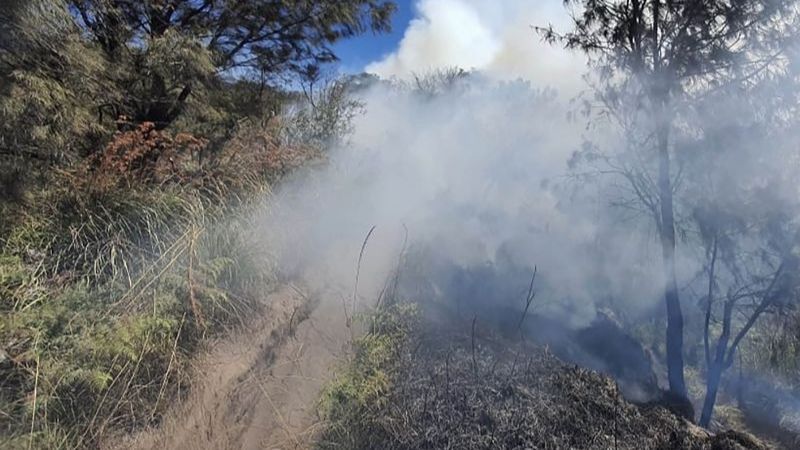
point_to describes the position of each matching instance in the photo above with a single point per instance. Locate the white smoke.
(494, 37)
(477, 174)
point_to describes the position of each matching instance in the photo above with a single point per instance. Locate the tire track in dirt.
(259, 388)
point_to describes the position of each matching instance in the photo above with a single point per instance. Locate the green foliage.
(19, 287)
(169, 60)
(167, 75)
(267, 38)
(71, 73)
(51, 80)
(132, 165)
(355, 395)
(325, 118)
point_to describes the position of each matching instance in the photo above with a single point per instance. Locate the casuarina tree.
(266, 40)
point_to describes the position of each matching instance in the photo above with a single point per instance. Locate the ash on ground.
(470, 390)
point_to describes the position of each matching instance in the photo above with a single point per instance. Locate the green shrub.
(358, 394)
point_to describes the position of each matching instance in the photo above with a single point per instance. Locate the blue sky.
(358, 52)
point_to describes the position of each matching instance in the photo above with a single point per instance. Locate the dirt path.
(259, 388)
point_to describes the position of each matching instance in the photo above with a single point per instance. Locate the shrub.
(353, 400)
(146, 155)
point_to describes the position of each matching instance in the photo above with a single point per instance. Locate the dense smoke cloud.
(496, 38)
(478, 176)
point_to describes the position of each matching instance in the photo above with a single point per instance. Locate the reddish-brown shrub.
(264, 149)
(258, 153)
(146, 155)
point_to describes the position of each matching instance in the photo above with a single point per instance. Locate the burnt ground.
(465, 390)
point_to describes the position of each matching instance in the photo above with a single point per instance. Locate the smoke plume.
(477, 175)
(496, 38)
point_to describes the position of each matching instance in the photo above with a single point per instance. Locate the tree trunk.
(660, 96)
(677, 383)
(159, 107)
(717, 366)
(712, 386)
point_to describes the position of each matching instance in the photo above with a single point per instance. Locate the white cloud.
(495, 37)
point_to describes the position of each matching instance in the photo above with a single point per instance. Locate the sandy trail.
(259, 388)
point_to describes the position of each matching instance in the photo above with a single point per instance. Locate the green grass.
(350, 402)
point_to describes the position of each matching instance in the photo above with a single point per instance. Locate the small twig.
(347, 318)
(291, 321)
(399, 267)
(105, 396)
(35, 394)
(616, 417)
(193, 303)
(381, 294)
(514, 363)
(358, 271)
(135, 372)
(283, 423)
(474, 359)
(494, 366)
(447, 375)
(528, 300)
(169, 368)
(300, 292)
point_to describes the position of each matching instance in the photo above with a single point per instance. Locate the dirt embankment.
(258, 389)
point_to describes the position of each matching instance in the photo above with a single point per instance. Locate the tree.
(263, 39)
(49, 80)
(760, 292)
(654, 57)
(746, 224)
